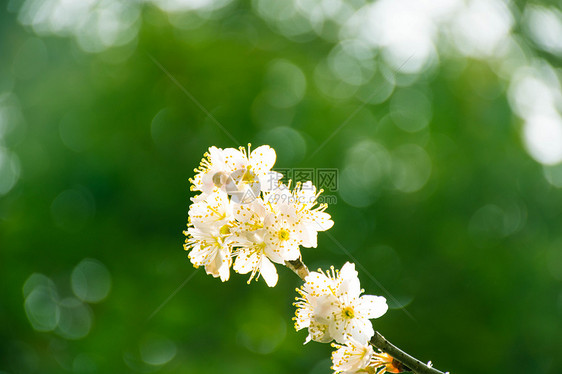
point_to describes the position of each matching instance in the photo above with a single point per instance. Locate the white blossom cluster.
(331, 307)
(355, 357)
(245, 218)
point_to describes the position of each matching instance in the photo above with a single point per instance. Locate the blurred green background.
(442, 118)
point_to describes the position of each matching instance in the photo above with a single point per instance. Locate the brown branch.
(412, 363)
(298, 267)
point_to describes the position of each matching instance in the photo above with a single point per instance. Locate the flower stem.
(412, 363)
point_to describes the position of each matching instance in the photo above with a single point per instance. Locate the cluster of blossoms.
(355, 357)
(331, 307)
(245, 218)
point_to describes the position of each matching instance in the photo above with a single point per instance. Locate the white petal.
(224, 272)
(302, 318)
(201, 255)
(317, 284)
(245, 262)
(243, 212)
(207, 184)
(289, 213)
(258, 207)
(326, 307)
(353, 357)
(372, 306)
(216, 156)
(223, 261)
(279, 196)
(337, 331)
(262, 159)
(308, 237)
(270, 180)
(240, 239)
(268, 272)
(350, 287)
(319, 332)
(360, 329)
(290, 251)
(322, 221)
(212, 267)
(273, 253)
(348, 270)
(234, 159)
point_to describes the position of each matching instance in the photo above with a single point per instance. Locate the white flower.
(264, 236)
(211, 173)
(254, 256)
(312, 216)
(351, 358)
(331, 307)
(210, 248)
(355, 357)
(301, 202)
(215, 210)
(282, 235)
(211, 225)
(245, 218)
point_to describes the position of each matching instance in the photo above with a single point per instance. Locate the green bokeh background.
(100, 145)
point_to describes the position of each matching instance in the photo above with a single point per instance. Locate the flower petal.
(270, 180)
(268, 272)
(325, 308)
(350, 287)
(245, 262)
(317, 284)
(348, 270)
(220, 265)
(322, 221)
(262, 159)
(372, 306)
(216, 156)
(360, 329)
(352, 358)
(234, 159)
(308, 237)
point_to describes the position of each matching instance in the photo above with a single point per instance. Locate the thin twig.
(412, 363)
(298, 267)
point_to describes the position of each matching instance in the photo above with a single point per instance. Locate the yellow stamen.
(348, 312)
(225, 230)
(283, 234)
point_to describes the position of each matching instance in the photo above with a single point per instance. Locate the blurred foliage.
(441, 198)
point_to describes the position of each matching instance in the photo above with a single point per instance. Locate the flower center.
(224, 230)
(348, 312)
(283, 234)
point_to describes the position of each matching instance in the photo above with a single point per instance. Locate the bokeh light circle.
(90, 281)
